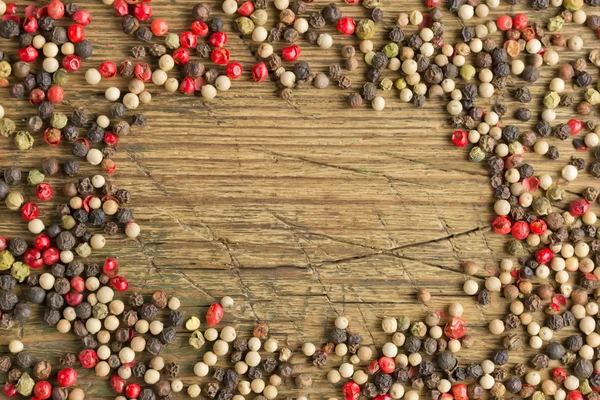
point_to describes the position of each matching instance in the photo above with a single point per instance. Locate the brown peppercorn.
(261, 331)
(545, 292)
(42, 370)
(159, 299)
(354, 100)
(579, 296)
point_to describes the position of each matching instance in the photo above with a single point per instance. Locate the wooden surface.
(299, 210)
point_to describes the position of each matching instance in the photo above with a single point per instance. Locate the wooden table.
(300, 210)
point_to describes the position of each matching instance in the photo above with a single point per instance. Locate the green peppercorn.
(84, 250)
(25, 385)
(23, 140)
(386, 84)
(400, 83)
(555, 193)
(244, 25)
(369, 57)
(196, 340)
(391, 50)
(477, 154)
(418, 329)
(259, 17)
(61, 77)
(19, 271)
(467, 72)
(7, 127)
(541, 206)
(59, 120)
(573, 5)
(68, 222)
(552, 100)
(371, 4)
(5, 69)
(515, 247)
(584, 387)
(592, 96)
(172, 41)
(6, 260)
(35, 177)
(365, 29)
(555, 24)
(403, 323)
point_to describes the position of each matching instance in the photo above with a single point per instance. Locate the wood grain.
(300, 210)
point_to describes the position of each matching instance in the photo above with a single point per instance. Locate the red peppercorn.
(121, 8)
(36, 96)
(387, 364)
(27, 54)
(200, 28)
(559, 375)
(111, 139)
(350, 391)
(181, 56)
(291, 53)
(143, 72)
(117, 383)
(119, 283)
(575, 395)
(55, 94)
(260, 72)
(460, 138)
(9, 390)
(187, 39)
(56, 9)
(520, 230)
(40, 242)
(502, 225)
(82, 17)
(459, 391)
(30, 211)
(504, 22)
(78, 284)
(234, 70)
(30, 24)
(431, 3)
(220, 55)
(214, 315)
(346, 26)
(44, 191)
(538, 226)
(66, 377)
(520, 21)
(73, 298)
(88, 358)
(575, 125)
(187, 85)
(218, 39)
(33, 258)
(159, 27)
(246, 9)
(544, 256)
(51, 256)
(110, 267)
(142, 11)
(52, 140)
(71, 63)
(579, 207)
(42, 390)
(75, 33)
(455, 328)
(107, 69)
(132, 391)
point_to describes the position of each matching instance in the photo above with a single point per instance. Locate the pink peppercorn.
(30, 24)
(218, 39)
(291, 53)
(44, 191)
(111, 139)
(66, 377)
(117, 383)
(56, 9)
(544, 256)
(459, 391)
(385, 396)
(346, 26)
(520, 230)
(110, 267)
(460, 138)
(56, 94)
(200, 28)
(142, 11)
(73, 298)
(33, 258)
(234, 70)
(36, 96)
(40, 242)
(579, 207)
(350, 390)
(27, 54)
(187, 85)
(50, 138)
(538, 226)
(88, 358)
(51, 256)
(387, 364)
(214, 315)
(119, 283)
(82, 17)
(121, 8)
(9, 390)
(575, 125)
(181, 56)
(107, 69)
(246, 9)
(187, 39)
(143, 72)
(11, 8)
(220, 56)
(575, 395)
(431, 3)
(71, 63)
(504, 22)
(132, 391)
(559, 375)
(260, 72)
(3, 243)
(78, 284)
(520, 21)
(75, 33)
(455, 328)
(159, 27)
(29, 211)
(42, 390)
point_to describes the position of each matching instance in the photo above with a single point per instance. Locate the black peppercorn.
(143, 34)
(84, 49)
